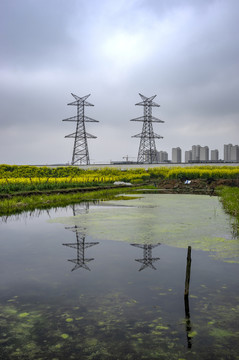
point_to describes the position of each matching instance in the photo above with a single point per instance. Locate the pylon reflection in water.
(147, 260)
(80, 245)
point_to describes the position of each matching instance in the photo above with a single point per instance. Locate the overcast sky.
(184, 51)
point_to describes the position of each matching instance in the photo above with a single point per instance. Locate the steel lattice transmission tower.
(147, 148)
(80, 151)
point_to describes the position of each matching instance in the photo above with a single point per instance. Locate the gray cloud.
(185, 52)
(33, 32)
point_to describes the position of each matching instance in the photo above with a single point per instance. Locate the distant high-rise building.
(214, 155)
(204, 153)
(235, 153)
(196, 152)
(231, 153)
(176, 155)
(188, 156)
(200, 153)
(227, 152)
(162, 156)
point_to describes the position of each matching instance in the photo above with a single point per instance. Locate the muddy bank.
(196, 186)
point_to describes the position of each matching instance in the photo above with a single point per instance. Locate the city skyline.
(199, 153)
(184, 52)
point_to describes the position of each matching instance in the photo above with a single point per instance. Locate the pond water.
(106, 281)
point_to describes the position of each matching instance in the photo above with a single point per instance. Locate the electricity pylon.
(147, 148)
(80, 150)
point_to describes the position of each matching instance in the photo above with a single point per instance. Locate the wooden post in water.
(186, 301)
(188, 270)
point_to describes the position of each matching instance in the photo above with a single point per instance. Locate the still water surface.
(67, 291)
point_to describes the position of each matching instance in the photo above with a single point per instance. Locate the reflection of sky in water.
(114, 302)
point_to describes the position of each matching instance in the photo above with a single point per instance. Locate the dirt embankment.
(196, 186)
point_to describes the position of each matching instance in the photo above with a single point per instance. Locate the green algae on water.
(23, 315)
(173, 220)
(69, 320)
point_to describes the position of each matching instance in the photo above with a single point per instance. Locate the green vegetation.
(25, 171)
(44, 187)
(18, 204)
(230, 199)
(31, 178)
(15, 178)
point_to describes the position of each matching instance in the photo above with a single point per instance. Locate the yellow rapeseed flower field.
(16, 178)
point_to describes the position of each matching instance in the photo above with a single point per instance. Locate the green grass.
(14, 188)
(230, 199)
(19, 204)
